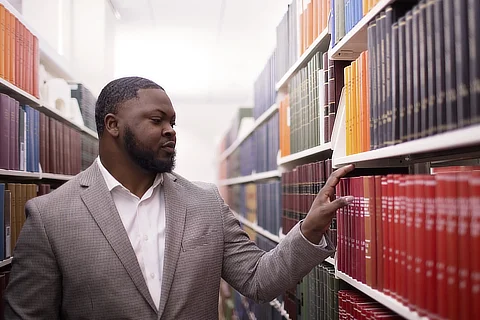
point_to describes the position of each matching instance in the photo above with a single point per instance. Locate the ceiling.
(208, 51)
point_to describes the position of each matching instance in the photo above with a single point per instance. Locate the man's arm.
(34, 289)
(263, 276)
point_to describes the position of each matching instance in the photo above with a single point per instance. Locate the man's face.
(146, 129)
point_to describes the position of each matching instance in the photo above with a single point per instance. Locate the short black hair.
(115, 93)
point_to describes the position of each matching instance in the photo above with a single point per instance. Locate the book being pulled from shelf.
(412, 238)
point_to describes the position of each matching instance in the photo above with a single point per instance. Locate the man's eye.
(156, 120)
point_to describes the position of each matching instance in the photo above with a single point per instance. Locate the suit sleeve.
(261, 275)
(34, 288)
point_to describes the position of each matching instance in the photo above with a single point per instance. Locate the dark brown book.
(403, 84)
(380, 78)
(409, 65)
(440, 84)
(7, 217)
(372, 60)
(423, 66)
(326, 66)
(416, 115)
(13, 149)
(5, 120)
(43, 147)
(379, 197)
(474, 45)
(431, 70)
(462, 62)
(13, 210)
(450, 65)
(53, 145)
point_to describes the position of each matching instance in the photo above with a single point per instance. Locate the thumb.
(340, 203)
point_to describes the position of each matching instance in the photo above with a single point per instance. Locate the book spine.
(431, 72)
(422, 28)
(395, 85)
(474, 49)
(409, 70)
(403, 84)
(415, 115)
(440, 84)
(450, 63)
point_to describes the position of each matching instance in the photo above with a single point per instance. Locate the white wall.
(82, 31)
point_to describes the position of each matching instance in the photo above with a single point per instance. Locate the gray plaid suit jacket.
(73, 259)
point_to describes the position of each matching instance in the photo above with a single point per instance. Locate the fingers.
(336, 176)
(339, 203)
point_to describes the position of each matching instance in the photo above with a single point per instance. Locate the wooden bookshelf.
(355, 41)
(320, 44)
(52, 176)
(385, 300)
(251, 178)
(259, 121)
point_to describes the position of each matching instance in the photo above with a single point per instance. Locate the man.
(129, 239)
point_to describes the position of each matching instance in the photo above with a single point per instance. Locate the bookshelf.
(355, 41)
(19, 174)
(258, 122)
(453, 143)
(300, 157)
(255, 177)
(6, 262)
(320, 44)
(387, 301)
(258, 229)
(441, 144)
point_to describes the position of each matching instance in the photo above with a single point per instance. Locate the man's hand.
(323, 209)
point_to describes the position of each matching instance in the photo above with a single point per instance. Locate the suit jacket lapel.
(175, 213)
(99, 202)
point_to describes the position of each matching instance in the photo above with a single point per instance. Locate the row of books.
(299, 188)
(264, 88)
(257, 153)
(424, 82)
(412, 237)
(20, 55)
(86, 102)
(355, 305)
(13, 197)
(346, 14)
(316, 296)
(357, 111)
(312, 20)
(19, 139)
(30, 139)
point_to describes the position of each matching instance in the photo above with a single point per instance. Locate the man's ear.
(111, 125)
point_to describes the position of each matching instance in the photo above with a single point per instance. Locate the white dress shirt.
(144, 221)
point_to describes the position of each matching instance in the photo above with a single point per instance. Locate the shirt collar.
(112, 183)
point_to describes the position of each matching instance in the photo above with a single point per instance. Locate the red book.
(362, 208)
(369, 218)
(385, 234)
(379, 229)
(340, 227)
(440, 223)
(410, 232)
(464, 219)
(395, 237)
(474, 184)
(401, 274)
(419, 255)
(389, 271)
(452, 254)
(430, 245)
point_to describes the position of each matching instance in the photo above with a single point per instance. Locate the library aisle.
(391, 87)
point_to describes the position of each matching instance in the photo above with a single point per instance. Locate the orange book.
(301, 25)
(13, 48)
(320, 16)
(2, 40)
(314, 19)
(21, 55)
(360, 105)
(346, 76)
(36, 63)
(309, 23)
(354, 116)
(326, 13)
(6, 57)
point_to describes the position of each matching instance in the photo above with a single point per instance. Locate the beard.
(145, 158)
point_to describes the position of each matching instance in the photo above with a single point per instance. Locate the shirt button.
(152, 275)
(145, 237)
